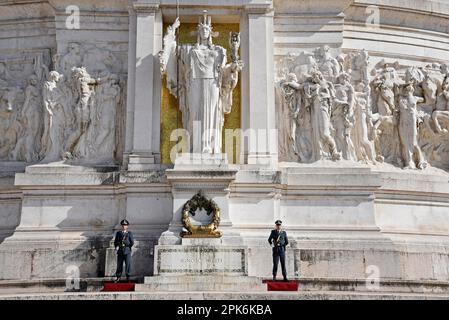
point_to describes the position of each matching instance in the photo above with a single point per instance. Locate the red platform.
(120, 286)
(291, 285)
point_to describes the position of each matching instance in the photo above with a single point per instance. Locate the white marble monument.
(340, 108)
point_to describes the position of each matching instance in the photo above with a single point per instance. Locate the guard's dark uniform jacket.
(124, 241)
(279, 240)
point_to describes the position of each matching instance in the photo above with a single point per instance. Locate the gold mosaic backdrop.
(171, 117)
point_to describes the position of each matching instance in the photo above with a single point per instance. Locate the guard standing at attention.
(278, 239)
(123, 243)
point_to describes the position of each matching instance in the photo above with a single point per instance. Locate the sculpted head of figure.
(317, 76)
(322, 52)
(235, 39)
(78, 73)
(205, 30)
(360, 87)
(409, 89)
(344, 78)
(113, 79)
(341, 95)
(390, 73)
(291, 77)
(33, 80)
(364, 55)
(53, 76)
(74, 48)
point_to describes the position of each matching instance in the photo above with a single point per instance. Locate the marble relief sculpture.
(329, 66)
(364, 126)
(7, 91)
(13, 121)
(441, 112)
(291, 91)
(54, 119)
(83, 84)
(31, 116)
(68, 114)
(199, 75)
(319, 94)
(343, 115)
(351, 110)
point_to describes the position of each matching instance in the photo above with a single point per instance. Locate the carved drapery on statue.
(202, 80)
(70, 113)
(200, 202)
(343, 108)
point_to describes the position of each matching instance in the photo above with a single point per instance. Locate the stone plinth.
(209, 173)
(201, 264)
(201, 257)
(67, 216)
(199, 283)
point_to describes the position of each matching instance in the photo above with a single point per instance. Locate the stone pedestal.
(201, 264)
(66, 218)
(210, 174)
(200, 256)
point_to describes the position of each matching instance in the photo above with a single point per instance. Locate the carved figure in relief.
(71, 59)
(8, 93)
(361, 62)
(291, 89)
(31, 116)
(343, 116)
(408, 128)
(363, 124)
(105, 116)
(441, 111)
(54, 119)
(82, 84)
(384, 86)
(328, 65)
(430, 85)
(319, 93)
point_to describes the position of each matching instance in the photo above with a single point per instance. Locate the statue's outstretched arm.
(166, 56)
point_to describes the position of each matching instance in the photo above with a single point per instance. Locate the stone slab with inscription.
(200, 264)
(200, 260)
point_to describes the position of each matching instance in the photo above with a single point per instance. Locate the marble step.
(273, 295)
(183, 283)
(355, 286)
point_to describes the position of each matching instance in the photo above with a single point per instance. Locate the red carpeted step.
(120, 286)
(281, 285)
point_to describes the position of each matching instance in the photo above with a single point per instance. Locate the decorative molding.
(259, 8)
(143, 7)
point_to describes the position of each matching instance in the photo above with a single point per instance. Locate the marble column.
(144, 91)
(259, 81)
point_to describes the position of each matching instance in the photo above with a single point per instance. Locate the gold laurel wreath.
(198, 202)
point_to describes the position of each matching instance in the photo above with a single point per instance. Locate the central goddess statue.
(202, 80)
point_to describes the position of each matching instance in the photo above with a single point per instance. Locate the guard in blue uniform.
(278, 239)
(123, 243)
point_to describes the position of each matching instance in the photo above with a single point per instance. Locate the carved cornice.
(145, 7)
(259, 8)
